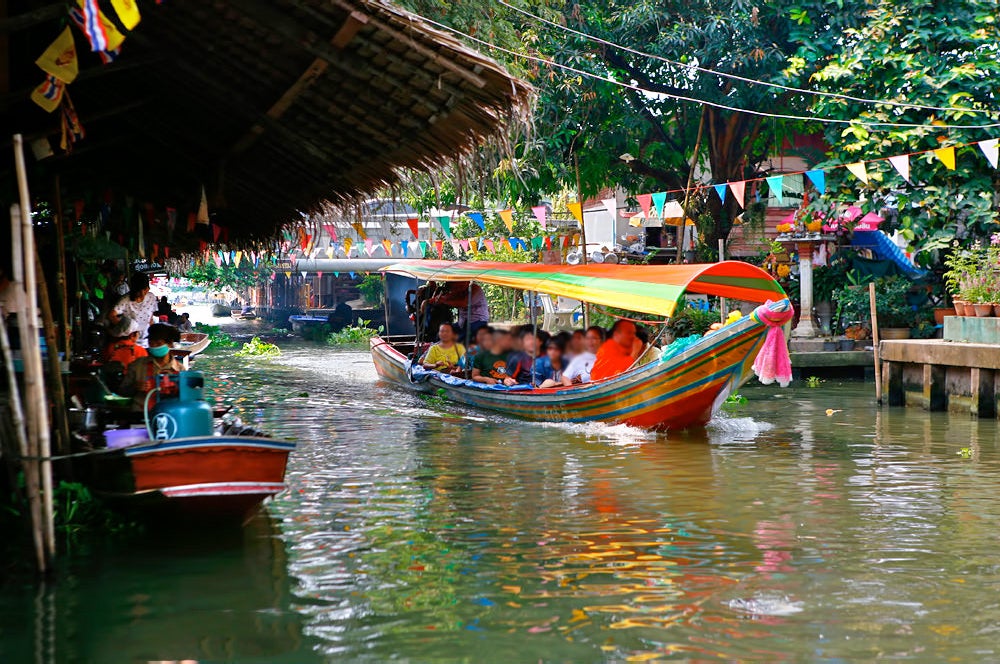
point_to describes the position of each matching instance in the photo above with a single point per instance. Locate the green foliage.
(77, 511)
(733, 401)
(258, 348)
(372, 288)
(813, 381)
(892, 301)
(689, 320)
(219, 338)
(241, 279)
(354, 335)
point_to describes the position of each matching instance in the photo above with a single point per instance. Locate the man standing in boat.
(618, 353)
(469, 299)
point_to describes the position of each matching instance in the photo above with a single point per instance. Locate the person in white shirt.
(138, 306)
(578, 370)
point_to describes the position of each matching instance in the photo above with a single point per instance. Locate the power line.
(638, 88)
(737, 77)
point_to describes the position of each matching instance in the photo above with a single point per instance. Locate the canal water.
(804, 525)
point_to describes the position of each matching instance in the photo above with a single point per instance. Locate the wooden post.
(583, 233)
(875, 343)
(32, 352)
(723, 305)
(61, 285)
(55, 370)
(681, 230)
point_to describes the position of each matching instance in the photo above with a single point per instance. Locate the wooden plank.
(934, 392)
(892, 383)
(983, 392)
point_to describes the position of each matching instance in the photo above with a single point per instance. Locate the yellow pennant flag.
(859, 171)
(112, 34)
(49, 94)
(360, 229)
(508, 218)
(474, 245)
(577, 210)
(59, 59)
(202, 217)
(387, 245)
(947, 157)
(347, 245)
(239, 257)
(128, 12)
(329, 252)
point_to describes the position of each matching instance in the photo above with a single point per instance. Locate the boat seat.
(556, 318)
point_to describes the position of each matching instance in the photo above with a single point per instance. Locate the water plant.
(813, 381)
(735, 400)
(258, 348)
(355, 334)
(219, 338)
(965, 453)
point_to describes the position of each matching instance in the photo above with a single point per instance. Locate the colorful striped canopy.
(651, 289)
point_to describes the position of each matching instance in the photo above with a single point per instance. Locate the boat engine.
(181, 410)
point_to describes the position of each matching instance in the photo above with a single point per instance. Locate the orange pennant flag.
(947, 157)
(508, 218)
(577, 210)
(387, 245)
(347, 245)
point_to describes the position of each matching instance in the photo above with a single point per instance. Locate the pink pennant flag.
(540, 212)
(489, 245)
(368, 247)
(464, 244)
(218, 260)
(456, 247)
(331, 231)
(859, 171)
(738, 189)
(902, 164)
(990, 150)
(645, 200)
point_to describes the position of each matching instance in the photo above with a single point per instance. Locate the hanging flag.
(611, 205)
(645, 200)
(548, 241)
(577, 211)
(776, 183)
(329, 253)
(107, 55)
(659, 200)
(439, 246)
(739, 189)
(423, 248)
(540, 212)
(368, 247)
(49, 94)
(456, 247)
(59, 59)
(445, 222)
(404, 246)
(387, 245)
(217, 259)
(478, 218)
(128, 13)
(360, 230)
(348, 243)
(239, 258)
(304, 241)
(508, 218)
(474, 245)
(902, 164)
(947, 157)
(990, 150)
(720, 189)
(464, 244)
(512, 241)
(102, 33)
(331, 231)
(536, 243)
(859, 171)
(818, 178)
(203, 208)
(413, 223)
(489, 245)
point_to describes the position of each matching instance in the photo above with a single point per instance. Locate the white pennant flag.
(991, 150)
(859, 171)
(739, 190)
(902, 164)
(612, 205)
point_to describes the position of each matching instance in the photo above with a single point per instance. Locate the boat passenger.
(482, 340)
(446, 355)
(184, 323)
(578, 369)
(490, 364)
(618, 353)
(124, 351)
(521, 363)
(141, 375)
(576, 344)
(139, 306)
(650, 353)
(473, 310)
(548, 368)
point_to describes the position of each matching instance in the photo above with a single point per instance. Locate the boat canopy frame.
(649, 289)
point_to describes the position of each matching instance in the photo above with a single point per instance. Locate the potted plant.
(895, 313)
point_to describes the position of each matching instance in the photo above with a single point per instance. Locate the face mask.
(159, 351)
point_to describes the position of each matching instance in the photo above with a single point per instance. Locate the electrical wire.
(737, 77)
(638, 88)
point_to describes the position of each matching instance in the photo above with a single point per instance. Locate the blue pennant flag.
(478, 218)
(818, 178)
(720, 189)
(404, 244)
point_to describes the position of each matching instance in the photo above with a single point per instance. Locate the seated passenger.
(650, 353)
(141, 375)
(483, 339)
(469, 299)
(490, 364)
(446, 355)
(124, 350)
(521, 363)
(576, 344)
(184, 323)
(578, 369)
(618, 353)
(548, 368)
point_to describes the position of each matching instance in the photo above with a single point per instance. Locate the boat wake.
(726, 428)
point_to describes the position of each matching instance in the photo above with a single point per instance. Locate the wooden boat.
(681, 390)
(192, 343)
(300, 322)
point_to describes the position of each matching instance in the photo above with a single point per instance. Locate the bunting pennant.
(329, 253)
(59, 59)
(456, 247)
(507, 215)
(536, 243)
(368, 247)
(101, 33)
(548, 242)
(348, 243)
(49, 94)
(414, 225)
(239, 258)
(990, 150)
(576, 209)
(464, 244)
(423, 248)
(659, 200)
(439, 246)
(445, 222)
(512, 241)
(217, 259)
(478, 218)
(202, 217)
(775, 184)
(304, 241)
(231, 258)
(720, 189)
(404, 246)
(645, 200)
(474, 245)
(946, 156)
(387, 245)
(489, 245)
(611, 205)
(818, 178)
(331, 231)
(859, 171)
(128, 13)
(360, 230)
(739, 191)
(540, 211)
(902, 164)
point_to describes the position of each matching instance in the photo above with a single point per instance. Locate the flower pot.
(983, 309)
(829, 346)
(940, 313)
(996, 310)
(894, 333)
(960, 306)
(845, 344)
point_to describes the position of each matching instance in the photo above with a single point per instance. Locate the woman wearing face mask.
(141, 375)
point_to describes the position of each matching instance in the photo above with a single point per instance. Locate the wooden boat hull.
(679, 392)
(193, 343)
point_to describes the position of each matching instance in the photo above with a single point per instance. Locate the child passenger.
(549, 367)
(490, 363)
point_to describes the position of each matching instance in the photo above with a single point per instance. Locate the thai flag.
(52, 88)
(107, 57)
(89, 20)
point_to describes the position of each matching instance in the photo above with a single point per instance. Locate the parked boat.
(300, 322)
(192, 343)
(684, 388)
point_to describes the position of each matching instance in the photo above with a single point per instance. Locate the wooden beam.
(31, 18)
(355, 21)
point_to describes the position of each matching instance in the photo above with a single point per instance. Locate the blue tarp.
(885, 249)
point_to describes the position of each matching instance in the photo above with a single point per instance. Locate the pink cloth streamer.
(773, 363)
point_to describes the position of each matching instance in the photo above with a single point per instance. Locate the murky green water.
(433, 534)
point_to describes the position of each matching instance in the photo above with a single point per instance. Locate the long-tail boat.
(682, 389)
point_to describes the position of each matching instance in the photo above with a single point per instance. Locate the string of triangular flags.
(415, 248)
(654, 203)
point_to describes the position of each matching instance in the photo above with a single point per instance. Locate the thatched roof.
(274, 105)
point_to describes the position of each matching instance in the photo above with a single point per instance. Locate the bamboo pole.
(55, 370)
(32, 352)
(876, 354)
(682, 229)
(583, 232)
(62, 286)
(723, 305)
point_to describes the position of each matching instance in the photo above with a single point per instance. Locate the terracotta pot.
(960, 306)
(894, 333)
(939, 314)
(996, 310)
(983, 309)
